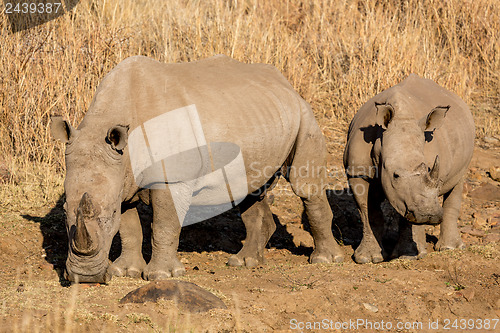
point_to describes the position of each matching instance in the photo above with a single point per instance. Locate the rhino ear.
(385, 113)
(434, 119)
(117, 137)
(61, 129)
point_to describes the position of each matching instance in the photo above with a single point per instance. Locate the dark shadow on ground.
(431, 239)
(224, 232)
(55, 239)
(347, 227)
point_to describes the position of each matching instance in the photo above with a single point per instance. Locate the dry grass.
(337, 54)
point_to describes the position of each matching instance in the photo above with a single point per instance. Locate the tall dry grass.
(337, 54)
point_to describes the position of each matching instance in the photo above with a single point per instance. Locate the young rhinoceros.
(411, 144)
(191, 140)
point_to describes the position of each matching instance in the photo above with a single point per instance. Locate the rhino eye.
(395, 175)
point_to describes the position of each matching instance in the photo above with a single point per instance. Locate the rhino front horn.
(85, 235)
(434, 173)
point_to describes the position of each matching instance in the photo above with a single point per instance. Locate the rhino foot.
(326, 256)
(369, 258)
(127, 266)
(455, 243)
(160, 270)
(369, 253)
(236, 260)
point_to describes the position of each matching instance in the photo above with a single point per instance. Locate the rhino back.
(454, 141)
(252, 106)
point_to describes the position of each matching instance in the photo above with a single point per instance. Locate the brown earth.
(283, 294)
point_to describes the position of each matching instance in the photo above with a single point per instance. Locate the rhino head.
(411, 186)
(93, 188)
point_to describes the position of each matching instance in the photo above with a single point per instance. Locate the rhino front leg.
(260, 226)
(368, 199)
(308, 178)
(166, 230)
(131, 262)
(449, 237)
(411, 241)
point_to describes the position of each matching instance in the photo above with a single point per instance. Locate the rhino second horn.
(434, 173)
(86, 207)
(85, 238)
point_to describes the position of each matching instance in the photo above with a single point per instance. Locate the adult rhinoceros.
(411, 144)
(207, 134)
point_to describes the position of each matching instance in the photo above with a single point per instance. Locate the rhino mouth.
(82, 278)
(81, 269)
(432, 219)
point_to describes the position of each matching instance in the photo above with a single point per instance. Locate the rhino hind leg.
(131, 262)
(319, 214)
(368, 196)
(308, 178)
(449, 237)
(260, 226)
(411, 242)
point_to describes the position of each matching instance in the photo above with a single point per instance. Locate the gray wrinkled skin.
(251, 106)
(411, 144)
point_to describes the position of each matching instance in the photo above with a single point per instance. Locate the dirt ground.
(459, 290)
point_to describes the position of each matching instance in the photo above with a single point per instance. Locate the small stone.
(20, 287)
(184, 260)
(486, 192)
(494, 217)
(480, 221)
(370, 307)
(187, 295)
(471, 231)
(468, 294)
(491, 238)
(494, 173)
(476, 175)
(491, 140)
(45, 266)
